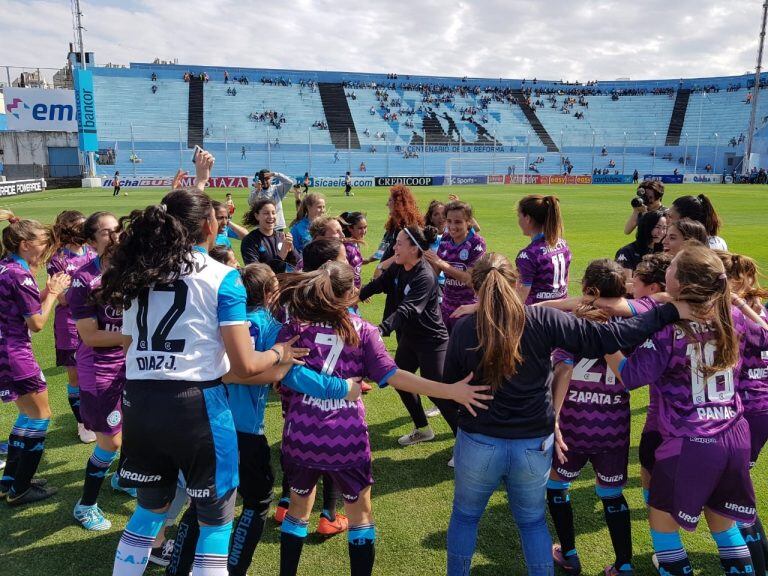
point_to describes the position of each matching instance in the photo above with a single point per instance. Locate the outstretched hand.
(470, 396)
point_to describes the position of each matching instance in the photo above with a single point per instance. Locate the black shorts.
(256, 475)
(178, 426)
(649, 443)
(347, 188)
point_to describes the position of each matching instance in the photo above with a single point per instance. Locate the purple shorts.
(758, 432)
(691, 473)
(10, 390)
(350, 481)
(65, 357)
(610, 467)
(102, 411)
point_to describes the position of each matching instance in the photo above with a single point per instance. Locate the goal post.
(461, 169)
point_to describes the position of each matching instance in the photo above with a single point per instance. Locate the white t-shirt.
(175, 327)
(276, 193)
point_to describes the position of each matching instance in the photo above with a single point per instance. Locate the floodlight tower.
(78, 26)
(745, 167)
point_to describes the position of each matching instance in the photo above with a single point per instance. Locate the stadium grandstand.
(328, 123)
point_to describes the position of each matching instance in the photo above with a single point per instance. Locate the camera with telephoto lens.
(640, 199)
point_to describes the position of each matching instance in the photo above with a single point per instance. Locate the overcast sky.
(552, 39)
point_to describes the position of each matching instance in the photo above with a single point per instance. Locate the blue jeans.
(482, 462)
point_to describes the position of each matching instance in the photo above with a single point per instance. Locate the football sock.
(73, 395)
(293, 532)
(617, 518)
(735, 556)
(31, 453)
(136, 542)
(559, 503)
(15, 446)
(184, 544)
(362, 551)
(670, 553)
(329, 498)
(247, 533)
(95, 471)
(211, 551)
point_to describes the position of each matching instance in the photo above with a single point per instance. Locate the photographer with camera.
(271, 186)
(648, 199)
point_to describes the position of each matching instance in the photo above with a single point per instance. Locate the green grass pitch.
(413, 491)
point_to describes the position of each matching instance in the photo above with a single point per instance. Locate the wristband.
(278, 358)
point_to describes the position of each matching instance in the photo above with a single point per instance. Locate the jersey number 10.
(706, 389)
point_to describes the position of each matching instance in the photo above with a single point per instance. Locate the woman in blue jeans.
(508, 346)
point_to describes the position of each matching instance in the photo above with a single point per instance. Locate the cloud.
(553, 39)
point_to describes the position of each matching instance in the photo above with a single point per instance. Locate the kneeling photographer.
(649, 195)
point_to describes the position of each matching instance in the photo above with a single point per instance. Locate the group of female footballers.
(171, 349)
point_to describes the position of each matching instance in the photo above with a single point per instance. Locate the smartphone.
(196, 151)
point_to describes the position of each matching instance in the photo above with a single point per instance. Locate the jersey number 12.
(160, 341)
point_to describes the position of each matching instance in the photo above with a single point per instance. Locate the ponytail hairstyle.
(19, 230)
(691, 230)
(320, 251)
(500, 318)
(743, 275)
(307, 202)
(433, 206)
(652, 269)
(603, 278)
(463, 207)
(422, 238)
(68, 229)
(645, 224)
(699, 208)
(704, 285)
(318, 225)
(545, 211)
(322, 296)
(349, 220)
(404, 210)
(260, 283)
(155, 245)
(251, 218)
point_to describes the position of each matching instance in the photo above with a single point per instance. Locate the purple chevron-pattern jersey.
(21, 298)
(544, 269)
(595, 415)
(64, 330)
(462, 257)
(98, 367)
(332, 434)
(753, 376)
(639, 306)
(691, 405)
(354, 259)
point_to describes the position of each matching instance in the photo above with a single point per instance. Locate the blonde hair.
(704, 285)
(500, 318)
(318, 225)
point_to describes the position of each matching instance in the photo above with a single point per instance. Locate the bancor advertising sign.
(38, 109)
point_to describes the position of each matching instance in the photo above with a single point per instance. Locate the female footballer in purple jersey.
(25, 310)
(747, 294)
(101, 364)
(72, 252)
(355, 227)
(542, 265)
(331, 436)
(459, 249)
(592, 425)
(703, 461)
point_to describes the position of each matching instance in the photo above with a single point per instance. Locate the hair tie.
(723, 276)
(13, 220)
(162, 207)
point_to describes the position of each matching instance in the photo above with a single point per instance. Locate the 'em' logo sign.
(38, 109)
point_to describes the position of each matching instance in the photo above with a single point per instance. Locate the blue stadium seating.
(149, 130)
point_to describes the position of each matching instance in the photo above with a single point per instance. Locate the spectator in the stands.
(154, 88)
